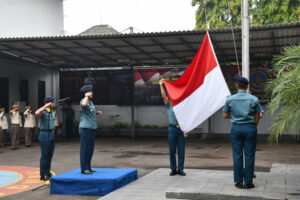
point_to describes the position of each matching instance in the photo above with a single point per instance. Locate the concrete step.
(282, 182)
(212, 184)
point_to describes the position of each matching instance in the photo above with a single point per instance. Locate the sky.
(143, 15)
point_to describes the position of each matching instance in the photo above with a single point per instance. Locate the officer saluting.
(46, 136)
(29, 125)
(16, 124)
(87, 129)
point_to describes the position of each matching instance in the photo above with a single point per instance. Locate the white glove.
(87, 94)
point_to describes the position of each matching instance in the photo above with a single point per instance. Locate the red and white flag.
(200, 91)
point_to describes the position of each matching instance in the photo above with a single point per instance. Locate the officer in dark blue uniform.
(87, 129)
(176, 138)
(245, 112)
(46, 137)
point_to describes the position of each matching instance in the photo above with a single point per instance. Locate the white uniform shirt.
(16, 118)
(56, 123)
(29, 120)
(3, 121)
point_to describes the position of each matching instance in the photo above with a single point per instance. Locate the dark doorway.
(4, 94)
(41, 93)
(24, 90)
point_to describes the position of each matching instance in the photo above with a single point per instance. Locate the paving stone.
(282, 182)
(274, 196)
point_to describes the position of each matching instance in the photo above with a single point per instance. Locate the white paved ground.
(283, 182)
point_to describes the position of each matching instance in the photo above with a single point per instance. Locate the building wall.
(33, 73)
(158, 115)
(19, 18)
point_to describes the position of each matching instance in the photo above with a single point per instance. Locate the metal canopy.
(163, 48)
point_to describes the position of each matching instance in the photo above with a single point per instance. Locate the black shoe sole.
(44, 179)
(181, 173)
(239, 186)
(250, 186)
(86, 173)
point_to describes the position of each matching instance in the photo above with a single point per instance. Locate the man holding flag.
(176, 138)
(199, 92)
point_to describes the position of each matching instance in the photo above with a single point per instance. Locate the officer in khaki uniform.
(29, 125)
(3, 127)
(16, 124)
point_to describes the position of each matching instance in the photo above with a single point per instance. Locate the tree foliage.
(284, 106)
(276, 11)
(219, 12)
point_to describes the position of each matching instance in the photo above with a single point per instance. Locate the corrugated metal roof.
(138, 49)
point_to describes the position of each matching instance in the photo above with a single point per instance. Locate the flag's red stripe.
(194, 76)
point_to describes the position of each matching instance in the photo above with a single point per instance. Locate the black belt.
(47, 130)
(243, 123)
(175, 126)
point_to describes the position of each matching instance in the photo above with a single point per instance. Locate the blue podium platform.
(100, 183)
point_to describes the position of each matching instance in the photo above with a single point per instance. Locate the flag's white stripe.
(203, 102)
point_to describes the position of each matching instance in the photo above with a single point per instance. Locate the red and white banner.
(200, 91)
(138, 79)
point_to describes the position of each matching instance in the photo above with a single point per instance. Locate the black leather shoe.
(44, 178)
(92, 170)
(249, 186)
(181, 173)
(239, 185)
(49, 175)
(86, 172)
(173, 172)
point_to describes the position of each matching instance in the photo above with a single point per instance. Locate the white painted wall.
(29, 18)
(158, 115)
(33, 73)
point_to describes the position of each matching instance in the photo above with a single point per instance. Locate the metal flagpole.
(245, 47)
(132, 104)
(245, 40)
(210, 118)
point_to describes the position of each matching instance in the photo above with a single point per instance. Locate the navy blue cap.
(49, 99)
(242, 80)
(86, 88)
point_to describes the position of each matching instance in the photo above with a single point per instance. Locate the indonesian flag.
(200, 91)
